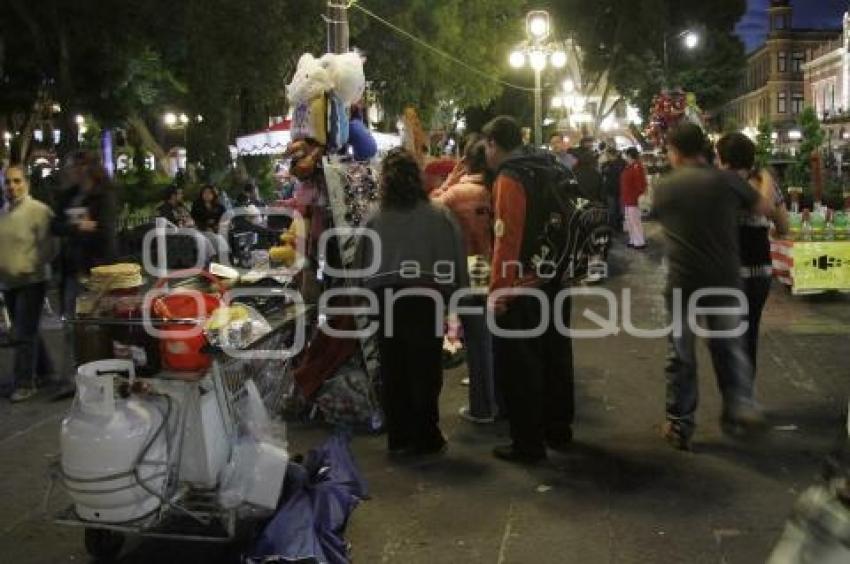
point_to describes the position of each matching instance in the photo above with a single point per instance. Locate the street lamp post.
(691, 41)
(539, 54)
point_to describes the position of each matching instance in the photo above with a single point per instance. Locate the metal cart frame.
(195, 514)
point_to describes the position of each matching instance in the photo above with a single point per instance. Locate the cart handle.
(159, 306)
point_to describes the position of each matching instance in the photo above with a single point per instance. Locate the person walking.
(698, 209)
(421, 252)
(632, 187)
(84, 221)
(612, 172)
(470, 202)
(736, 153)
(536, 372)
(26, 249)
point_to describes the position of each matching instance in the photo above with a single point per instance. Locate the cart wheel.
(103, 545)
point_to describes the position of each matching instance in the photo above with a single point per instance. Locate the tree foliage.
(764, 144)
(625, 39)
(479, 33)
(811, 142)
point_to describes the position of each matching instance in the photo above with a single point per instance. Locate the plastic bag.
(236, 327)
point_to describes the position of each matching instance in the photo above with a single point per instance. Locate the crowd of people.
(39, 244)
(495, 210)
(505, 212)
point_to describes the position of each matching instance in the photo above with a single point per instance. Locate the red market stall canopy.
(270, 141)
(274, 140)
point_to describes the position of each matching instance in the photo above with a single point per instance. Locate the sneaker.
(594, 278)
(22, 395)
(676, 438)
(465, 382)
(743, 422)
(509, 454)
(467, 416)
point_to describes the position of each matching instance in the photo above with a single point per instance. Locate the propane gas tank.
(114, 451)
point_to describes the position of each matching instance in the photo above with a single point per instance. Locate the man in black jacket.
(84, 219)
(612, 170)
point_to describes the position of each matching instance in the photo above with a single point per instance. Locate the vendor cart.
(204, 416)
(812, 267)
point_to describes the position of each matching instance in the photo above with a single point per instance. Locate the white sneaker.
(464, 382)
(22, 395)
(464, 414)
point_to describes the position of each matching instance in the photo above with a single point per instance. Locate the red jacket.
(470, 201)
(632, 184)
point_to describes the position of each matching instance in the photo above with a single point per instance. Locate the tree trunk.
(147, 141)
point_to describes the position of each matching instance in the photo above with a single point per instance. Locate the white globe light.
(538, 26)
(557, 102)
(559, 59)
(517, 59)
(569, 86)
(691, 40)
(80, 120)
(169, 119)
(184, 119)
(537, 60)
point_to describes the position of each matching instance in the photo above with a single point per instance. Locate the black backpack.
(556, 230)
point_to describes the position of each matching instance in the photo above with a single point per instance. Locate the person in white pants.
(632, 186)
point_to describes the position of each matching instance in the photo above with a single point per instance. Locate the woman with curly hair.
(414, 260)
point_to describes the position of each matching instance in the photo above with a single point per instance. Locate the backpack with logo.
(557, 229)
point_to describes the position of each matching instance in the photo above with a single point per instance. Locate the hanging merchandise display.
(352, 194)
(669, 109)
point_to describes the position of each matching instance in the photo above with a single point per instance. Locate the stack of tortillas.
(121, 276)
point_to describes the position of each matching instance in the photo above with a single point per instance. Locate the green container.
(841, 222)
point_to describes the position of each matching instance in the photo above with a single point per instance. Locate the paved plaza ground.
(621, 496)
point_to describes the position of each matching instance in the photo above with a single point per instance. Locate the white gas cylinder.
(102, 441)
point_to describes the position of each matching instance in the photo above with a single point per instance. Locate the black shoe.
(430, 450)
(63, 392)
(509, 454)
(560, 443)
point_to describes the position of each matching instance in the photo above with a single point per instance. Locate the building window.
(797, 61)
(782, 103)
(797, 102)
(782, 61)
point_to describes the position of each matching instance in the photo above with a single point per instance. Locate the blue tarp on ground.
(318, 498)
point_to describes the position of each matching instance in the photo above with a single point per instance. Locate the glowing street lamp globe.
(691, 40)
(569, 86)
(517, 59)
(170, 119)
(537, 60)
(559, 59)
(537, 24)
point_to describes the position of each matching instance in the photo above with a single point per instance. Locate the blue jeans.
(732, 366)
(25, 305)
(479, 360)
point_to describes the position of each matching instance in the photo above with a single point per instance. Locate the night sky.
(807, 13)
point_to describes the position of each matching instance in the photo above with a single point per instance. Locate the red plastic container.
(181, 352)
